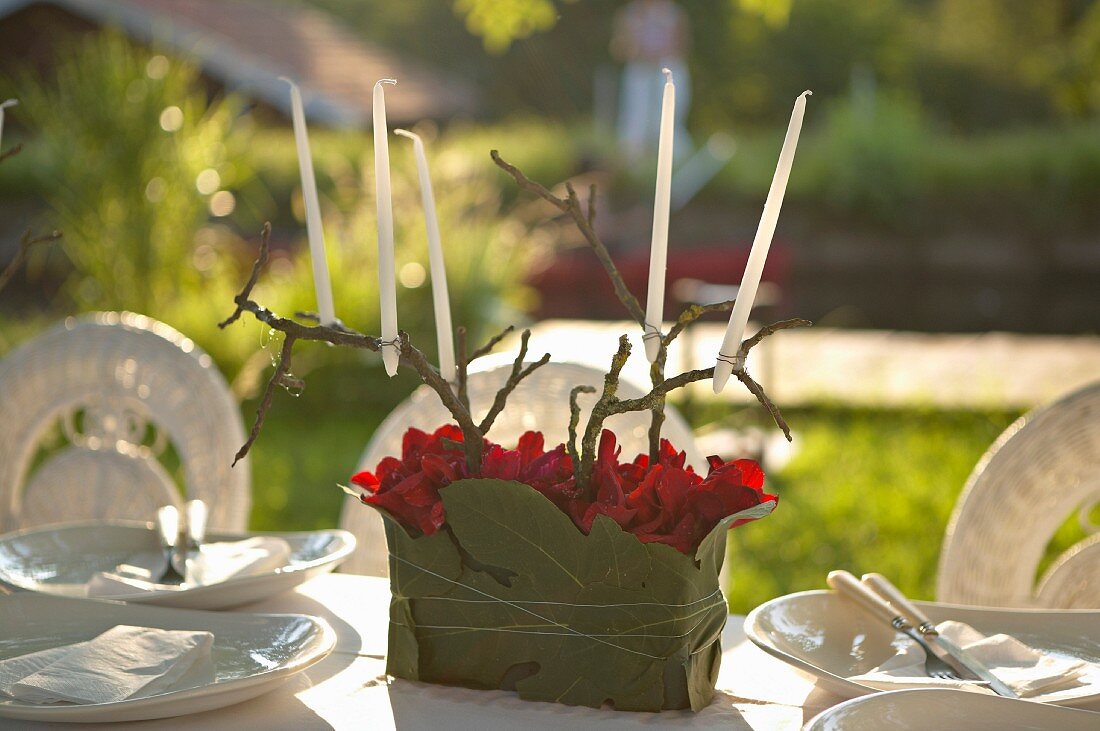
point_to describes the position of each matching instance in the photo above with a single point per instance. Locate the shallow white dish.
(830, 637)
(948, 710)
(253, 653)
(60, 560)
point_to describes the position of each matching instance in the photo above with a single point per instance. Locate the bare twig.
(472, 435)
(690, 315)
(654, 401)
(282, 368)
(761, 396)
(600, 411)
(456, 402)
(609, 404)
(261, 261)
(574, 420)
(771, 330)
(657, 415)
(461, 375)
(11, 152)
(583, 221)
(514, 378)
(26, 242)
(493, 342)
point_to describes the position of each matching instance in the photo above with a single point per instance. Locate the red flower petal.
(365, 480)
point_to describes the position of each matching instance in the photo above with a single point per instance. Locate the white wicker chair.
(119, 388)
(540, 402)
(1042, 469)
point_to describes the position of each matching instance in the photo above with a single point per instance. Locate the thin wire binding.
(569, 631)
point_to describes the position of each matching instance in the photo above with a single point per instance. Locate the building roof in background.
(247, 44)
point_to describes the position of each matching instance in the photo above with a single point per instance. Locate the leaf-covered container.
(512, 595)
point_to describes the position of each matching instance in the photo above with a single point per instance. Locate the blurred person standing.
(649, 35)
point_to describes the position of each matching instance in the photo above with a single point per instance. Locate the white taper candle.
(3, 106)
(321, 282)
(440, 300)
(658, 250)
(729, 353)
(387, 283)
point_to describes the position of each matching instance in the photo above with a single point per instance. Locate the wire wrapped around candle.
(658, 250)
(440, 300)
(729, 354)
(387, 281)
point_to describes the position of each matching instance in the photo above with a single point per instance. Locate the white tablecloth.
(348, 689)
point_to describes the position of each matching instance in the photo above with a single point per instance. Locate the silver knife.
(882, 586)
(850, 587)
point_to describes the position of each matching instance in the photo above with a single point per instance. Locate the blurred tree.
(774, 12)
(138, 160)
(975, 64)
(500, 22)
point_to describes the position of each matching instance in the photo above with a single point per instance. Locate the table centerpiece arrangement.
(567, 572)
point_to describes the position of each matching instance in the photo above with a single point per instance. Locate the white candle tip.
(390, 358)
(668, 74)
(391, 82)
(722, 372)
(9, 103)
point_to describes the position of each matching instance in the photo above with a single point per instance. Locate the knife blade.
(970, 663)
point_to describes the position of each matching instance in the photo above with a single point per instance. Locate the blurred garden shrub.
(137, 161)
(161, 192)
(869, 155)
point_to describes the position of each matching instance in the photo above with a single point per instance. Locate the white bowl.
(948, 710)
(253, 653)
(829, 636)
(60, 560)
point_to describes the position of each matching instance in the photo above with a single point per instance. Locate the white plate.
(253, 653)
(948, 710)
(61, 559)
(828, 636)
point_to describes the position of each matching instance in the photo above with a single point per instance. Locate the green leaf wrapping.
(511, 595)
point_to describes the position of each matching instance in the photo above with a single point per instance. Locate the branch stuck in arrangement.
(453, 396)
(26, 242)
(584, 221)
(11, 152)
(654, 401)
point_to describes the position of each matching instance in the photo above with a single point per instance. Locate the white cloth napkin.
(122, 663)
(1026, 670)
(216, 562)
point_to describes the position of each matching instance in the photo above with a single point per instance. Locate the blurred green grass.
(866, 490)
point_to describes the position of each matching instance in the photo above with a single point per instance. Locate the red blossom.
(667, 502)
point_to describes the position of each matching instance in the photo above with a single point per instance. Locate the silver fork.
(849, 586)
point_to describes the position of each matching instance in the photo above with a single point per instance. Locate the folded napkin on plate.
(122, 663)
(215, 563)
(1026, 670)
